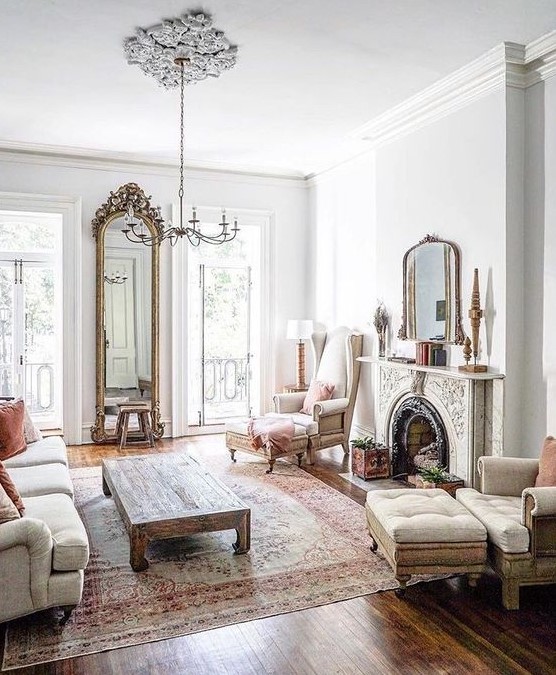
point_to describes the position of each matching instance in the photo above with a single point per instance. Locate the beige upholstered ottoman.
(237, 438)
(425, 532)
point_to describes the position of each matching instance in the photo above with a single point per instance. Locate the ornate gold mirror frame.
(116, 207)
(408, 309)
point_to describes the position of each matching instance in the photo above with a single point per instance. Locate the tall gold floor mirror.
(127, 312)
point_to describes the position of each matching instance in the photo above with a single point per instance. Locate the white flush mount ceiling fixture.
(177, 52)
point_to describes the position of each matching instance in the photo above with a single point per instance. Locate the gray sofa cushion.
(501, 516)
(45, 479)
(51, 450)
(70, 543)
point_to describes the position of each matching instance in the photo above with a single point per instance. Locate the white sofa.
(43, 554)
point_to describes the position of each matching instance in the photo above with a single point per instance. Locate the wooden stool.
(145, 433)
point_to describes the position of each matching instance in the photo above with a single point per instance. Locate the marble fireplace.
(428, 414)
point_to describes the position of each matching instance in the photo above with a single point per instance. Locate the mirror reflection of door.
(127, 321)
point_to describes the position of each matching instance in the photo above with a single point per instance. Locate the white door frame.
(70, 209)
(180, 348)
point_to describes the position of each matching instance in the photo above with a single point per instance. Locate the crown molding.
(99, 160)
(540, 58)
(509, 64)
(449, 94)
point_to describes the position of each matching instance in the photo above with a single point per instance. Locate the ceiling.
(308, 73)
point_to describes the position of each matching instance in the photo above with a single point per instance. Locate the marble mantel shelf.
(445, 371)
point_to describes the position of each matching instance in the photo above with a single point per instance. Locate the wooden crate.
(372, 463)
(450, 486)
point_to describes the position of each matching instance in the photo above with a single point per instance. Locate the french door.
(225, 343)
(30, 350)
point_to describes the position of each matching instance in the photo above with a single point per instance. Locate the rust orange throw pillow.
(12, 440)
(10, 489)
(318, 391)
(547, 464)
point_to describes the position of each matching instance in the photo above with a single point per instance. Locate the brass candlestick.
(475, 315)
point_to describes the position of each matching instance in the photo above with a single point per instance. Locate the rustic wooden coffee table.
(171, 495)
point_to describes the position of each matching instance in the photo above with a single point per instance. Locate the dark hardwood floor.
(438, 627)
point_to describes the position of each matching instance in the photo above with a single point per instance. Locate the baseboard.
(358, 430)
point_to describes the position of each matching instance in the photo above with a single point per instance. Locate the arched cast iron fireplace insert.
(418, 437)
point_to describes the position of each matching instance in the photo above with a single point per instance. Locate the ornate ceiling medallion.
(190, 37)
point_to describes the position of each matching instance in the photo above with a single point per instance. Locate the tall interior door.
(119, 323)
(225, 344)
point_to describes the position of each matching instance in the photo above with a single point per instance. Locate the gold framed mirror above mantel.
(127, 311)
(431, 292)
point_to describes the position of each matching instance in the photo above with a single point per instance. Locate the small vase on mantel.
(380, 322)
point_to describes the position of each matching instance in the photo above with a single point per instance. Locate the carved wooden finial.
(475, 316)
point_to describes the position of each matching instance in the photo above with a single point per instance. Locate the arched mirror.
(431, 292)
(127, 312)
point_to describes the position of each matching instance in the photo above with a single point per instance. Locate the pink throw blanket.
(274, 433)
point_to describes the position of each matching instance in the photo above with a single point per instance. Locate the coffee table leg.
(138, 545)
(105, 488)
(243, 542)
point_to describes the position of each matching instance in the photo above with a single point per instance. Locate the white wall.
(450, 179)
(286, 198)
(539, 383)
(342, 209)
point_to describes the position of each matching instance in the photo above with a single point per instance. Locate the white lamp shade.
(299, 329)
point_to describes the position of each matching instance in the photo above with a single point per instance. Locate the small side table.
(293, 388)
(145, 433)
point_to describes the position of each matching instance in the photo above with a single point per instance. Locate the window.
(31, 326)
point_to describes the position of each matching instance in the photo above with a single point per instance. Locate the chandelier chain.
(182, 140)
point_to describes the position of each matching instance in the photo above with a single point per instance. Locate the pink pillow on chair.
(547, 464)
(318, 391)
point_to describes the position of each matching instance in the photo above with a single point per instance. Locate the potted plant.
(369, 459)
(432, 476)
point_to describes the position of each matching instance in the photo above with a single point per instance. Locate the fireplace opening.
(418, 438)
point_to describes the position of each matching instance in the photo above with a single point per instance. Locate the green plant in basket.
(366, 443)
(434, 474)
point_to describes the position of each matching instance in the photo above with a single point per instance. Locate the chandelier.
(115, 278)
(177, 52)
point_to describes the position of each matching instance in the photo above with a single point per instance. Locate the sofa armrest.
(539, 502)
(538, 514)
(288, 403)
(34, 539)
(330, 407)
(506, 476)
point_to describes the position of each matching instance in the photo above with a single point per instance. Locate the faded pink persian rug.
(309, 547)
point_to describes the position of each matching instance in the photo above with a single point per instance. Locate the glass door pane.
(40, 379)
(7, 375)
(225, 343)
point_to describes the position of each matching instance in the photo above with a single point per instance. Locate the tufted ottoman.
(425, 532)
(237, 438)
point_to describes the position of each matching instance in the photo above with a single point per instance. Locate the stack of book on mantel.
(430, 354)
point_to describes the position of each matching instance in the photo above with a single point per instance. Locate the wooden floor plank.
(439, 627)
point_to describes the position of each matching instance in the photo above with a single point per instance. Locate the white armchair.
(335, 355)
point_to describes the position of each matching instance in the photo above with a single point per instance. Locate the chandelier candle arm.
(179, 52)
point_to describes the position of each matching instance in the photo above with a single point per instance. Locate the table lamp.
(300, 329)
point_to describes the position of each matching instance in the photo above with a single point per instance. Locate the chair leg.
(299, 458)
(232, 453)
(125, 423)
(345, 446)
(510, 593)
(271, 465)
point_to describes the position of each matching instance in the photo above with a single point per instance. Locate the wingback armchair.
(520, 520)
(335, 355)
